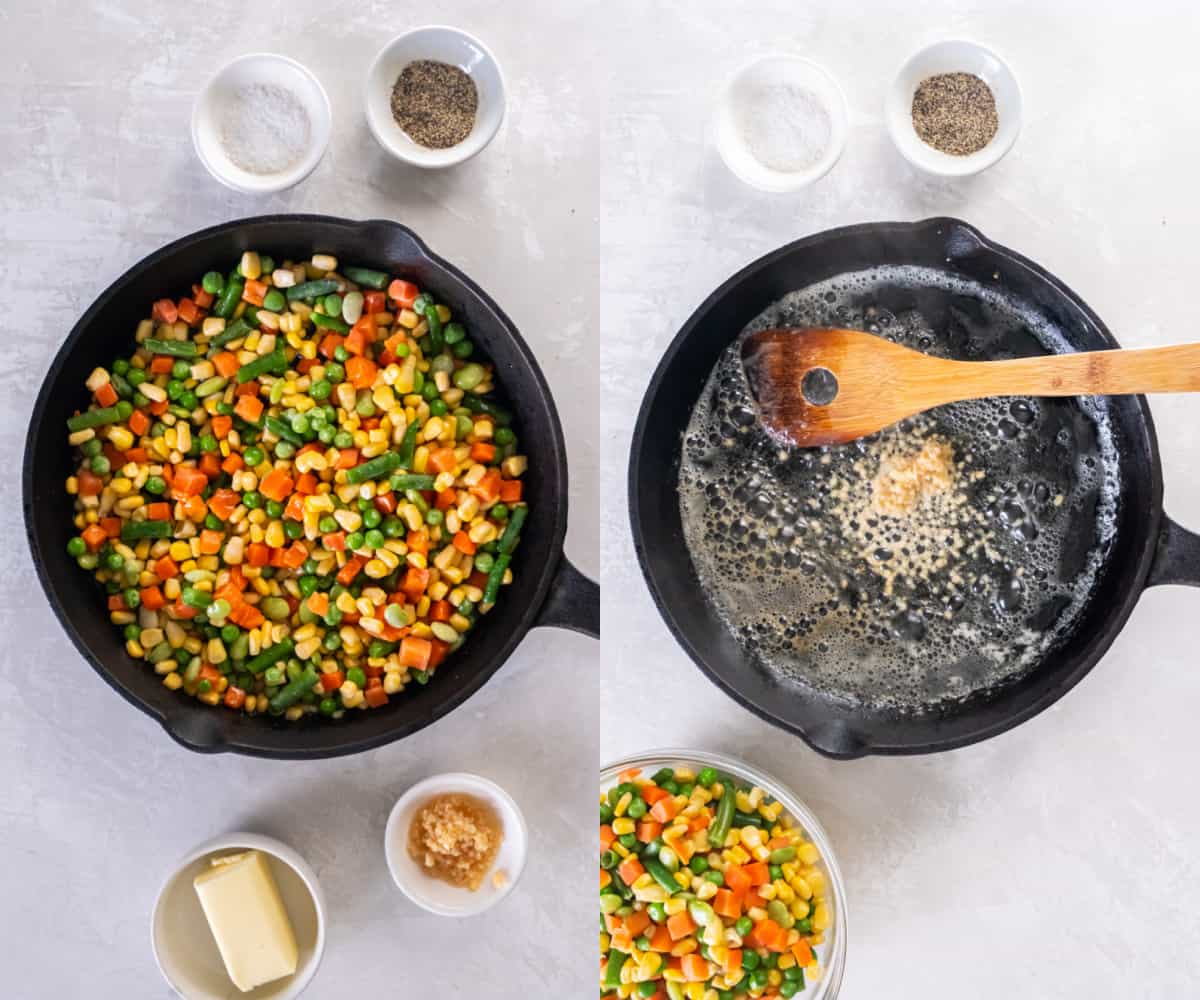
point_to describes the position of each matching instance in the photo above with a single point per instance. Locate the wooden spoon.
(826, 386)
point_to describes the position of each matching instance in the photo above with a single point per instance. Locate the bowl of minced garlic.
(455, 844)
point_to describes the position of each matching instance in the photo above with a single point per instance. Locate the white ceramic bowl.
(953, 57)
(433, 894)
(441, 44)
(269, 69)
(184, 947)
(784, 69)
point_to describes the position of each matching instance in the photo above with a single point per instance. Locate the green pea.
(208, 443)
(372, 517)
(326, 434)
(189, 400)
(320, 390)
(293, 529)
(213, 282)
(334, 372)
(300, 424)
(120, 367)
(174, 389)
(327, 525)
(343, 439)
(284, 449)
(453, 333)
(374, 539)
(743, 926)
(750, 959)
(715, 877)
(253, 457)
(499, 512)
(629, 841)
(355, 675)
(637, 808)
(274, 300)
(213, 523)
(402, 350)
(642, 990)
(274, 675)
(101, 465)
(274, 508)
(266, 263)
(229, 634)
(698, 864)
(463, 349)
(429, 392)
(124, 409)
(469, 376)
(92, 447)
(418, 381)
(181, 370)
(484, 562)
(504, 436)
(437, 408)
(341, 354)
(114, 560)
(365, 407)
(136, 376)
(355, 541)
(434, 516)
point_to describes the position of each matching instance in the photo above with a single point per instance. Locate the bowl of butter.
(240, 916)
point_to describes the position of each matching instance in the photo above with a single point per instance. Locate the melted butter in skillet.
(960, 587)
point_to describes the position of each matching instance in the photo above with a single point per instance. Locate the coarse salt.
(264, 129)
(784, 125)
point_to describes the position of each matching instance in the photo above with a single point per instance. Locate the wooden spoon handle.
(1093, 373)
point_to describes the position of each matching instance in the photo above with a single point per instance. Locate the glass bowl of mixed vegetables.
(716, 882)
(297, 489)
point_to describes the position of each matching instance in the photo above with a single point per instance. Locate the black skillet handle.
(1176, 556)
(573, 602)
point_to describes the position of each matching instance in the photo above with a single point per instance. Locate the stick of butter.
(248, 920)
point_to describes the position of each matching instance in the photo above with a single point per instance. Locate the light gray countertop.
(1057, 860)
(98, 803)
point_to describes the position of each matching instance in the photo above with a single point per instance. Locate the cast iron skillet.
(547, 589)
(1148, 549)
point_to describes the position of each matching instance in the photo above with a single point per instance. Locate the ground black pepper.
(435, 103)
(955, 113)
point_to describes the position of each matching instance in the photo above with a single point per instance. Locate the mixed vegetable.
(296, 490)
(707, 891)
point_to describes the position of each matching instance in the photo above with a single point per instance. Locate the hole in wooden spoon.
(819, 386)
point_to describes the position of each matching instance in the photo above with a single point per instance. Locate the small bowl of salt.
(781, 123)
(261, 124)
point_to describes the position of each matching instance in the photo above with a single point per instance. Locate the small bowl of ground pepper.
(435, 96)
(954, 109)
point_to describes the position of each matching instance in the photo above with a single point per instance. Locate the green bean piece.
(365, 276)
(311, 289)
(270, 656)
(121, 384)
(612, 971)
(477, 404)
(748, 819)
(275, 363)
(782, 854)
(172, 348)
(412, 481)
(229, 298)
(133, 531)
(293, 691)
(408, 445)
(282, 430)
(94, 418)
(723, 819)
(194, 598)
(233, 331)
(211, 385)
(376, 468)
(435, 328)
(512, 530)
(330, 322)
(661, 874)
(495, 578)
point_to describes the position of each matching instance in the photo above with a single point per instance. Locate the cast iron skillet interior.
(546, 589)
(1148, 548)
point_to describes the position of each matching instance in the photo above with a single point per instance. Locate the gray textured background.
(1057, 861)
(97, 802)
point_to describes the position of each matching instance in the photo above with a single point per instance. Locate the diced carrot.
(477, 579)
(375, 696)
(294, 511)
(698, 823)
(306, 484)
(440, 611)
(224, 502)
(106, 395)
(333, 680)
(664, 810)
(630, 869)
(203, 299)
(637, 922)
(210, 673)
(335, 542)
(694, 968)
(160, 511)
(187, 481)
(137, 455)
(511, 490)
(386, 503)
(164, 311)
(680, 925)
(758, 872)
(352, 568)
(90, 485)
(249, 408)
(737, 879)
(194, 508)
(488, 487)
(648, 829)
(210, 464)
(403, 293)
(188, 311)
(733, 960)
(802, 952)
(361, 372)
(233, 463)
(606, 836)
(446, 499)
(139, 423)
(116, 602)
(226, 363)
(462, 542)
(318, 603)
(613, 923)
(347, 458)
(235, 697)
(248, 388)
(255, 291)
(374, 302)
(276, 485)
(330, 343)
(247, 616)
(483, 451)
(257, 554)
(295, 555)
(726, 904)
(152, 598)
(111, 526)
(181, 610)
(441, 460)
(159, 406)
(356, 343)
(161, 364)
(622, 941)
(771, 935)
(416, 579)
(660, 940)
(415, 652)
(210, 542)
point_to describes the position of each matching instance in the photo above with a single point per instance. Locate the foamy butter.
(933, 561)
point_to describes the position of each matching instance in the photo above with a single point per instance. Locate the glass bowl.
(832, 954)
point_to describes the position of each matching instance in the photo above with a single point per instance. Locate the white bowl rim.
(833, 972)
(437, 159)
(788, 181)
(450, 781)
(932, 160)
(271, 183)
(282, 852)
